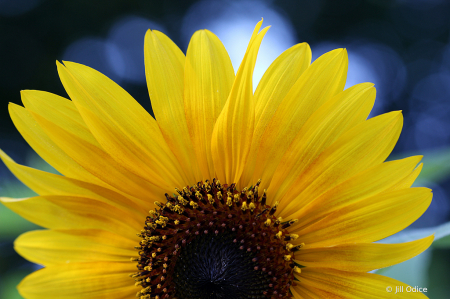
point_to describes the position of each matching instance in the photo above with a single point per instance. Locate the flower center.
(213, 241)
(213, 266)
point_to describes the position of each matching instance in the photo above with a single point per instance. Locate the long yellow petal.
(55, 113)
(364, 146)
(208, 77)
(273, 87)
(327, 124)
(321, 81)
(85, 150)
(45, 183)
(367, 220)
(95, 280)
(54, 107)
(52, 247)
(409, 180)
(122, 127)
(375, 180)
(46, 148)
(233, 131)
(361, 257)
(279, 79)
(297, 295)
(301, 292)
(164, 69)
(352, 285)
(69, 212)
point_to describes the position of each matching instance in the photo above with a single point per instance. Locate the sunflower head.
(226, 193)
(213, 241)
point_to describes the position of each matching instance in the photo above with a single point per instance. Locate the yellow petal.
(375, 180)
(164, 69)
(67, 212)
(59, 111)
(301, 292)
(52, 247)
(327, 124)
(52, 106)
(45, 147)
(354, 285)
(85, 150)
(366, 145)
(122, 127)
(367, 220)
(233, 131)
(321, 81)
(297, 295)
(55, 113)
(278, 80)
(208, 78)
(361, 257)
(95, 280)
(273, 87)
(409, 180)
(45, 183)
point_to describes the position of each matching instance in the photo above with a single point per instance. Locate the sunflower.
(227, 194)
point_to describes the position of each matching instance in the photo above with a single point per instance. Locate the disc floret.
(185, 237)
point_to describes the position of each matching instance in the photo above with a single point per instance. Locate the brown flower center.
(213, 241)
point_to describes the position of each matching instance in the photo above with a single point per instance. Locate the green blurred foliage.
(13, 268)
(436, 166)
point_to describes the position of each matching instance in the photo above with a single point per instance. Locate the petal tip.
(148, 33)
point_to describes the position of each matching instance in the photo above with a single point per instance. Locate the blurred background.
(400, 45)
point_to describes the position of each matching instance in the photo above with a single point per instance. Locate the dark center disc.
(212, 267)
